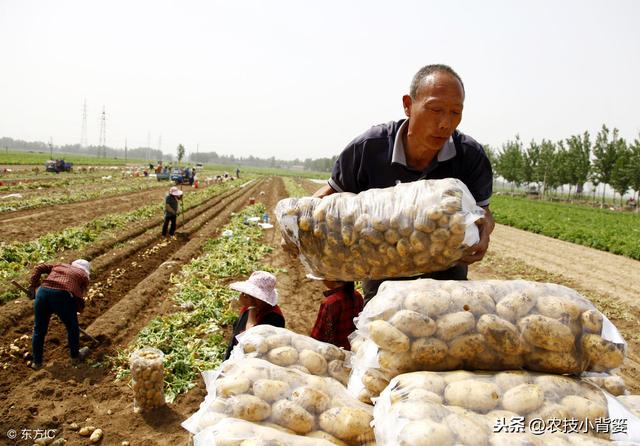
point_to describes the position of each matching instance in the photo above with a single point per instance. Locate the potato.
(499, 414)
(454, 324)
(542, 360)
(270, 390)
(403, 247)
(331, 352)
(338, 371)
(292, 416)
(302, 368)
(96, 436)
(375, 381)
(283, 356)
(424, 224)
(248, 407)
(466, 346)
(581, 408)
(476, 302)
(257, 344)
(345, 422)
(559, 307)
(278, 340)
(384, 308)
(547, 333)
(395, 362)
(325, 436)
(592, 321)
(414, 410)
(600, 353)
(388, 337)
(523, 399)
(431, 303)
(515, 306)
(413, 324)
(425, 433)
(380, 223)
(314, 362)
(419, 241)
(313, 400)
(476, 395)
(423, 380)
(232, 386)
(425, 351)
(467, 430)
(276, 427)
(512, 378)
(550, 411)
(423, 395)
(305, 223)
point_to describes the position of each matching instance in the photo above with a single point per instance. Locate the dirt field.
(132, 295)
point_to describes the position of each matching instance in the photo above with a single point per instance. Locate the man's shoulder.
(468, 143)
(380, 132)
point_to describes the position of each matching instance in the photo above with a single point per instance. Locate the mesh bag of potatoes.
(236, 432)
(506, 408)
(256, 390)
(285, 348)
(400, 231)
(147, 372)
(435, 325)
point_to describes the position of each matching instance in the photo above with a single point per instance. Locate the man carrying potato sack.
(259, 302)
(426, 145)
(61, 293)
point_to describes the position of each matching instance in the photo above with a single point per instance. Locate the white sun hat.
(84, 265)
(261, 285)
(175, 191)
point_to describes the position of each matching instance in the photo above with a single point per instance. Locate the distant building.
(297, 167)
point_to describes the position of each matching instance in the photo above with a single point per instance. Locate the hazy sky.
(294, 78)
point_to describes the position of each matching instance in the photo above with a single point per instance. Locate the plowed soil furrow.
(32, 223)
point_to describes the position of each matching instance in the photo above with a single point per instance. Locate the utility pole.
(83, 135)
(51, 147)
(160, 146)
(125, 150)
(103, 134)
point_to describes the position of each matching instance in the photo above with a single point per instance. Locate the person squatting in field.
(171, 210)
(335, 323)
(259, 302)
(426, 145)
(60, 293)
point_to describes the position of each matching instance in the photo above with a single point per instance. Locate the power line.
(102, 149)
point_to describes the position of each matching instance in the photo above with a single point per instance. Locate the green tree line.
(609, 160)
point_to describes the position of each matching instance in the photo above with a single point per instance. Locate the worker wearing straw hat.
(259, 301)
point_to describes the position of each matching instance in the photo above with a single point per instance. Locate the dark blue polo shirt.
(376, 159)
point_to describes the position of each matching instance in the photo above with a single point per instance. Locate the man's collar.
(447, 151)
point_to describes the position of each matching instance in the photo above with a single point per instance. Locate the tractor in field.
(58, 166)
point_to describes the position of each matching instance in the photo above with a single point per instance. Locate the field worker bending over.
(171, 210)
(426, 145)
(259, 302)
(61, 293)
(341, 304)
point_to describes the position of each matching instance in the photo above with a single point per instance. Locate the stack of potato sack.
(284, 399)
(507, 408)
(478, 325)
(285, 348)
(400, 231)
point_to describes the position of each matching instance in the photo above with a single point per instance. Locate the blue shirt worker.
(426, 145)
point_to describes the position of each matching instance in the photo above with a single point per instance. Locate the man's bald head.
(426, 71)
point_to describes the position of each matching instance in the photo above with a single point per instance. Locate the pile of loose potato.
(286, 399)
(400, 231)
(147, 372)
(288, 349)
(460, 407)
(478, 325)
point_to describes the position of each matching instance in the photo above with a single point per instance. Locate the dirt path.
(600, 271)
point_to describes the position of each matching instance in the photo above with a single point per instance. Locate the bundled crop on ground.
(601, 229)
(194, 340)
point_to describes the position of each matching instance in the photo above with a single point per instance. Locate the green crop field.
(616, 232)
(15, 157)
(274, 171)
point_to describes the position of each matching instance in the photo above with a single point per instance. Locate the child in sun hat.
(259, 301)
(171, 210)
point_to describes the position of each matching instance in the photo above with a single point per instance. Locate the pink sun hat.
(261, 285)
(175, 191)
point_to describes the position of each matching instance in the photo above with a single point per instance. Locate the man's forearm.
(324, 191)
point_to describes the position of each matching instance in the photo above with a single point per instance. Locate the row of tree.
(38, 146)
(318, 165)
(573, 161)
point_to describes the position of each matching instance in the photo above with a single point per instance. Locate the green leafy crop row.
(601, 229)
(194, 340)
